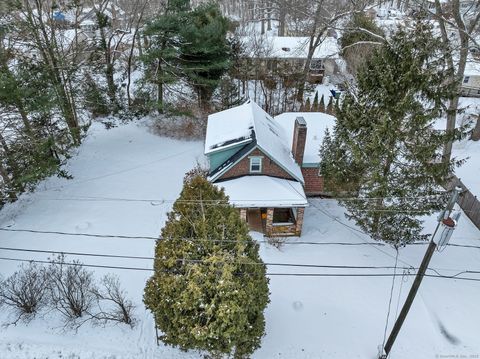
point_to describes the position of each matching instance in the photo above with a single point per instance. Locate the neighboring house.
(267, 166)
(275, 56)
(468, 8)
(471, 80)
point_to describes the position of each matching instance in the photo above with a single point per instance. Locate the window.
(283, 216)
(255, 164)
(466, 79)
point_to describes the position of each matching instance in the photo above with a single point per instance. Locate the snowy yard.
(125, 180)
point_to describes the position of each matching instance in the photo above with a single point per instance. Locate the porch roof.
(264, 191)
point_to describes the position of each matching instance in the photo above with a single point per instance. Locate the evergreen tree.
(307, 107)
(35, 141)
(315, 103)
(329, 109)
(321, 106)
(161, 57)
(205, 51)
(209, 288)
(384, 148)
(359, 41)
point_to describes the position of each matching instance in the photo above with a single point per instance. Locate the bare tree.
(25, 291)
(138, 15)
(325, 16)
(112, 302)
(71, 289)
(464, 25)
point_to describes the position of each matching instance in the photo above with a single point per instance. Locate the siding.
(313, 181)
(269, 168)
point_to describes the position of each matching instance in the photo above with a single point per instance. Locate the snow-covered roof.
(264, 191)
(229, 128)
(247, 123)
(288, 47)
(317, 123)
(472, 67)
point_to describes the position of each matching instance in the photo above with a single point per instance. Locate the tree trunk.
(160, 96)
(315, 35)
(282, 19)
(459, 73)
(7, 182)
(476, 131)
(269, 15)
(10, 162)
(47, 46)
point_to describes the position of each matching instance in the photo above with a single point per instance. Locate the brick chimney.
(299, 139)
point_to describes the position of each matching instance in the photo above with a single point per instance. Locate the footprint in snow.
(83, 226)
(298, 306)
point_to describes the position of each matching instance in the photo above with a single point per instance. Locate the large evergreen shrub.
(209, 289)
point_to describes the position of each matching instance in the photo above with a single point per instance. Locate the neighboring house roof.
(248, 124)
(472, 67)
(264, 191)
(317, 123)
(295, 47)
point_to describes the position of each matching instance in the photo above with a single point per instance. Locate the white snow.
(246, 123)
(125, 180)
(263, 191)
(472, 67)
(317, 124)
(293, 47)
(232, 126)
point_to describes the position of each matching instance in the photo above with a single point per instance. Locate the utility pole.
(448, 223)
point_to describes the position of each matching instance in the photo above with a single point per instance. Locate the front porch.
(270, 205)
(274, 222)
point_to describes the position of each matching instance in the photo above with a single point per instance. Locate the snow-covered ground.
(468, 149)
(125, 180)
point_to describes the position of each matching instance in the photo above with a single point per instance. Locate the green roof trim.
(310, 165)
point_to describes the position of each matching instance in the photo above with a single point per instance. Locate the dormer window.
(255, 164)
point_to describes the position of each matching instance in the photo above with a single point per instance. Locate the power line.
(357, 230)
(301, 265)
(194, 260)
(171, 200)
(96, 235)
(268, 274)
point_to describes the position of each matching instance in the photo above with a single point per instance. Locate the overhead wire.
(295, 242)
(268, 274)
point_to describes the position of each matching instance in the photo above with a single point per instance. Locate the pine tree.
(205, 51)
(359, 41)
(384, 147)
(329, 109)
(209, 288)
(35, 141)
(307, 107)
(321, 106)
(315, 103)
(161, 57)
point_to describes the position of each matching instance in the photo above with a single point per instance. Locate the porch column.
(243, 214)
(299, 224)
(269, 222)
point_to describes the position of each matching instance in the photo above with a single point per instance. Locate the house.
(267, 166)
(471, 80)
(274, 56)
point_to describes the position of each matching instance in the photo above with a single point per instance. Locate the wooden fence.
(467, 201)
